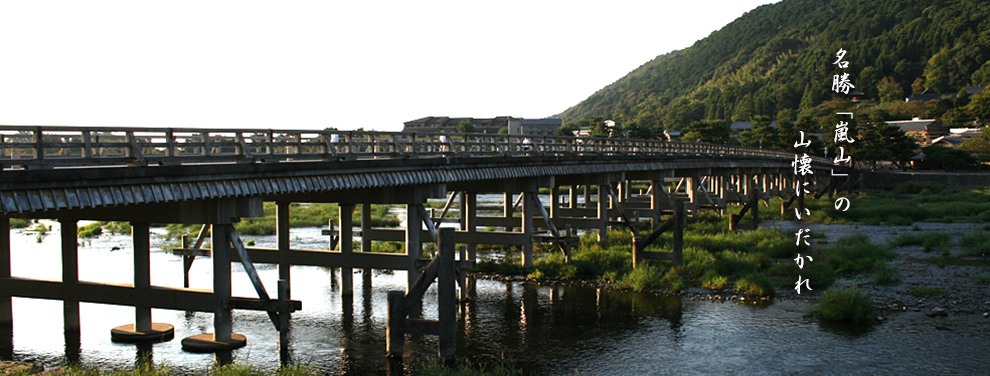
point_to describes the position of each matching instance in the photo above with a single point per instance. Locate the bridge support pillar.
(602, 212)
(6, 306)
(554, 201)
(656, 186)
(528, 212)
(70, 281)
(345, 215)
(721, 188)
(692, 184)
(143, 330)
(6, 315)
(282, 226)
(366, 242)
(469, 220)
(70, 273)
(587, 195)
(223, 339)
(469, 224)
(754, 202)
(508, 207)
(572, 197)
(414, 243)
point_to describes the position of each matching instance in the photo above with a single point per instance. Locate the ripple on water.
(555, 331)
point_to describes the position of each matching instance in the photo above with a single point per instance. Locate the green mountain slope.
(779, 58)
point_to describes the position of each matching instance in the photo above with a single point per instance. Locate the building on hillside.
(923, 131)
(449, 124)
(535, 127)
(947, 141)
(738, 127)
(930, 96)
(957, 136)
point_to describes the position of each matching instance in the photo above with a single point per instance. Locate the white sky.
(314, 64)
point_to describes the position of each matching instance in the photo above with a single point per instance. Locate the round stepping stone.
(204, 343)
(159, 332)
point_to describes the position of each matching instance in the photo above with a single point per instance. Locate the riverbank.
(938, 268)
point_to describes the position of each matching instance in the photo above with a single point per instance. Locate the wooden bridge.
(215, 177)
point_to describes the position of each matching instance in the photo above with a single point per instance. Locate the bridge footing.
(205, 343)
(159, 332)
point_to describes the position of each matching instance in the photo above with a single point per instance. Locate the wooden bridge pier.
(214, 177)
(6, 304)
(142, 295)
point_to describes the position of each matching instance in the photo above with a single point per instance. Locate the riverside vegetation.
(761, 262)
(301, 215)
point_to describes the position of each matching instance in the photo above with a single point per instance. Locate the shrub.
(644, 277)
(852, 254)
(977, 243)
(389, 246)
(936, 241)
(897, 220)
(117, 227)
(884, 274)
(536, 275)
(712, 281)
(90, 230)
(595, 262)
(755, 284)
(845, 305)
(736, 264)
(19, 223)
(820, 273)
(554, 267)
(672, 281)
(696, 261)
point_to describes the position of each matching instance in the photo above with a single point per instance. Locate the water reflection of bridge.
(215, 177)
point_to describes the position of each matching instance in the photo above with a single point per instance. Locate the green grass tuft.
(936, 241)
(91, 230)
(646, 277)
(756, 284)
(975, 244)
(845, 305)
(884, 274)
(852, 254)
(924, 292)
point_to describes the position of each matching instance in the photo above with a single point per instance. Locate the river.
(541, 329)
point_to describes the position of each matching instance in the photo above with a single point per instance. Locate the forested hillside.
(776, 62)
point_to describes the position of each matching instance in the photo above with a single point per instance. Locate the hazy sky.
(314, 64)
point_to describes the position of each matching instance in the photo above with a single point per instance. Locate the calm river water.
(544, 330)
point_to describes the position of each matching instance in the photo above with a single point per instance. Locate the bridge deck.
(48, 169)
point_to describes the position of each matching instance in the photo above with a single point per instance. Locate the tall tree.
(889, 90)
(708, 131)
(465, 126)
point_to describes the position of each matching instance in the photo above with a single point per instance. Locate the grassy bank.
(300, 215)
(756, 262)
(311, 215)
(900, 207)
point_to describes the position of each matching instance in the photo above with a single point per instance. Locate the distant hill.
(777, 60)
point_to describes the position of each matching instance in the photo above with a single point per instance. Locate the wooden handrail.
(57, 146)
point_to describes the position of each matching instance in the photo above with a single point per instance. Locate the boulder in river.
(937, 312)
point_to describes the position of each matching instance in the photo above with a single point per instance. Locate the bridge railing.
(52, 146)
